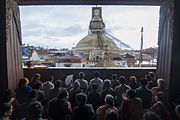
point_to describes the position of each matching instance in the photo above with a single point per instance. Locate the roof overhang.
(91, 2)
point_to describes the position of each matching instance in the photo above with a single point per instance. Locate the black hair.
(152, 74)
(57, 83)
(38, 85)
(148, 77)
(22, 82)
(81, 75)
(131, 93)
(96, 74)
(63, 94)
(122, 79)
(107, 83)
(76, 85)
(81, 98)
(51, 78)
(143, 81)
(114, 76)
(34, 109)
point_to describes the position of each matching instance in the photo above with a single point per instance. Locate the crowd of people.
(118, 98)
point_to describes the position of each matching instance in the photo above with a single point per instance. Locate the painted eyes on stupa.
(96, 12)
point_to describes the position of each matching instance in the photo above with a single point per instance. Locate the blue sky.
(63, 26)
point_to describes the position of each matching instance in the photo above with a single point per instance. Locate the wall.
(61, 73)
(90, 2)
(174, 87)
(3, 61)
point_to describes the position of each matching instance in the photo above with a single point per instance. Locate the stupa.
(99, 47)
(96, 38)
(97, 42)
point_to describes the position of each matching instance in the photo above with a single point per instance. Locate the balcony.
(105, 73)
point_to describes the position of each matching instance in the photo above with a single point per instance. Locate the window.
(72, 32)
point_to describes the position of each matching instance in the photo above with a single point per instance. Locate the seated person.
(34, 111)
(94, 97)
(59, 108)
(5, 111)
(109, 106)
(83, 111)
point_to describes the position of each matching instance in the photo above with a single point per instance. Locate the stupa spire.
(96, 24)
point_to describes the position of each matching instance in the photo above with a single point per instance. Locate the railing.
(105, 73)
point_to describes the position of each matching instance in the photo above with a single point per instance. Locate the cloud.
(35, 29)
(73, 30)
